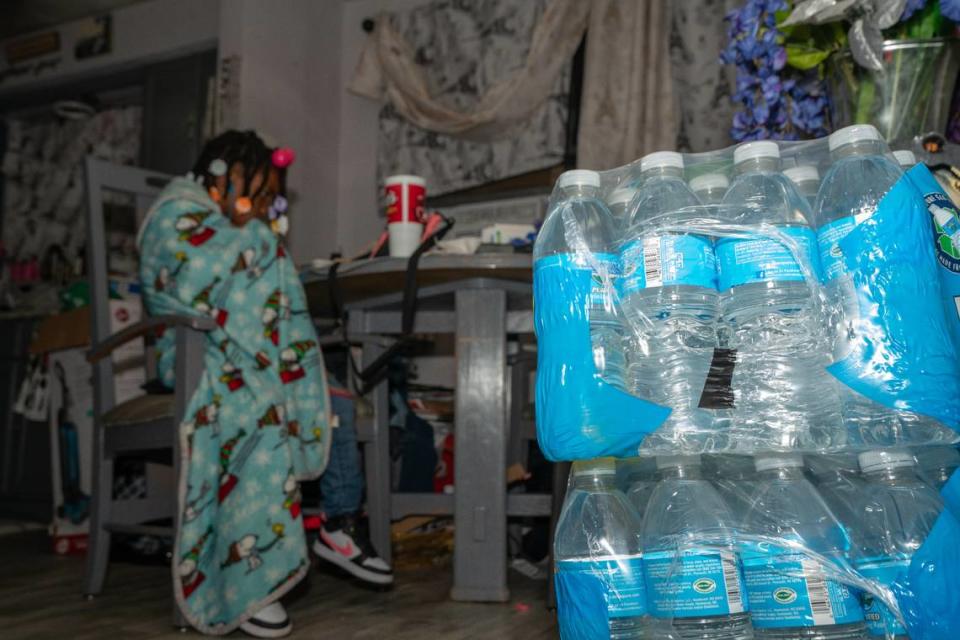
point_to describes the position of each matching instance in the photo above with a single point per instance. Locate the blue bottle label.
(791, 590)
(693, 584)
(828, 243)
(763, 259)
(880, 620)
(660, 261)
(622, 578)
(601, 305)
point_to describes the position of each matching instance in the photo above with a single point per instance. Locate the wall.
(142, 33)
(360, 220)
(296, 59)
(289, 61)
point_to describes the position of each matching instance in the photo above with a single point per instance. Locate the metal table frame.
(484, 311)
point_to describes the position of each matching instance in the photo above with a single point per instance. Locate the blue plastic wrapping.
(905, 357)
(579, 414)
(928, 595)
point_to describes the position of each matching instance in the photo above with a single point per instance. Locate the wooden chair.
(147, 424)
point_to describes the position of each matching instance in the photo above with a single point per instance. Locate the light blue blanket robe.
(259, 420)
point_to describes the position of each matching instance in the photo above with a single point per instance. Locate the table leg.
(376, 462)
(480, 498)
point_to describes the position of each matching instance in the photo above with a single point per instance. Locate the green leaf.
(925, 23)
(865, 99)
(804, 57)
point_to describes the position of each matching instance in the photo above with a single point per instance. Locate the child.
(258, 421)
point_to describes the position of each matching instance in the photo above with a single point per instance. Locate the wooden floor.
(40, 599)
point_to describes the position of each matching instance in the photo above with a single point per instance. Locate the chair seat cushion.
(141, 409)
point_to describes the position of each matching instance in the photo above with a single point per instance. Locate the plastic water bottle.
(710, 187)
(898, 513)
(905, 159)
(784, 399)
(693, 575)
(598, 535)
(837, 478)
(807, 180)
(937, 464)
(668, 283)
(735, 480)
(790, 593)
(637, 481)
(852, 189)
(581, 230)
(618, 201)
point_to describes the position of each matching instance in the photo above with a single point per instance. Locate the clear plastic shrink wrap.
(765, 327)
(757, 322)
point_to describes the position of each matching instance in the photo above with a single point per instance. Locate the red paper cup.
(405, 195)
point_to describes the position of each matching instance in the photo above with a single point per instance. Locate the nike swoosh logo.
(345, 550)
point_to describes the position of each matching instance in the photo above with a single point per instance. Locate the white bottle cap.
(578, 177)
(802, 173)
(621, 195)
(941, 215)
(756, 149)
(660, 159)
(709, 181)
(905, 157)
(853, 133)
(665, 462)
(778, 461)
(595, 467)
(876, 460)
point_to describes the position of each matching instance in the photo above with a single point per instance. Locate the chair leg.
(178, 620)
(98, 550)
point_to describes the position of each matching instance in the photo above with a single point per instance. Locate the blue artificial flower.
(774, 101)
(950, 9)
(911, 8)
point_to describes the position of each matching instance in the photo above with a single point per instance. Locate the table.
(481, 299)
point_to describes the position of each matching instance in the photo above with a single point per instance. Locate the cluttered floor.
(40, 598)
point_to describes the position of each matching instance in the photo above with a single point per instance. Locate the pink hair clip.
(283, 157)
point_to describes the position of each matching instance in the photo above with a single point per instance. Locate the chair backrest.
(143, 186)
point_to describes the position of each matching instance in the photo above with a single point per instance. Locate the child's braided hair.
(245, 147)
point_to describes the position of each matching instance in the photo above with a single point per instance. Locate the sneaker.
(345, 543)
(270, 622)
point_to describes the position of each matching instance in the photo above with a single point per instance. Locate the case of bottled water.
(752, 354)
(797, 547)
(769, 297)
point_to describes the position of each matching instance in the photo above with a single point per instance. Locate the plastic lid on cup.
(756, 149)
(661, 159)
(802, 173)
(709, 181)
(877, 460)
(403, 178)
(853, 133)
(595, 467)
(622, 195)
(905, 157)
(666, 462)
(578, 177)
(778, 461)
